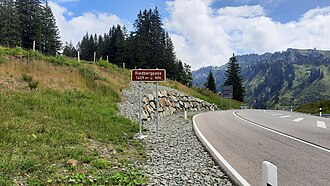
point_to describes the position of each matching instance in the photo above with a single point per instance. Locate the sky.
(207, 32)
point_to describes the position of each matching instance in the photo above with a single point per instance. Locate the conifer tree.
(210, 83)
(69, 50)
(233, 77)
(30, 21)
(86, 47)
(50, 33)
(149, 39)
(10, 34)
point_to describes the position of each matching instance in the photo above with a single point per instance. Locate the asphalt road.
(298, 144)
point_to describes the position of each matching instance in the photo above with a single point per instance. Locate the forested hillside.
(292, 77)
(30, 24)
(148, 46)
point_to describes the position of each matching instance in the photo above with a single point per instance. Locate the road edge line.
(217, 155)
(282, 134)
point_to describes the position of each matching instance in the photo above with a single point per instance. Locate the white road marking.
(277, 114)
(321, 124)
(298, 119)
(218, 155)
(286, 116)
(282, 134)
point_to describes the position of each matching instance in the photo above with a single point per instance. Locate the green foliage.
(89, 73)
(2, 59)
(69, 50)
(211, 97)
(314, 107)
(234, 78)
(47, 127)
(62, 60)
(10, 34)
(210, 83)
(32, 83)
(101, 164)
(129, 177)
(27, 78)
(39, 26)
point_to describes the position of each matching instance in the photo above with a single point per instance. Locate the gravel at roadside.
(176, 157)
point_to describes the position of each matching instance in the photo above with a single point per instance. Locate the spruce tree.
(30, 21)
(50, 33)
(169, 59)
(149, 39)
(233, 77)
(210, 83)
(69, 50)
(10, 34)
(86, 48)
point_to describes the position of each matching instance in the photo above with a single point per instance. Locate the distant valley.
(281, 79)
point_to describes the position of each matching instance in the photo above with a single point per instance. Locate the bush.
(33, 85)
(29, 79)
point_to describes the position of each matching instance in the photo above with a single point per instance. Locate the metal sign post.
(157, 114)
(148, 75)
(140, 110)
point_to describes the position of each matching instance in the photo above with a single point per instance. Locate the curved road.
(298, 144)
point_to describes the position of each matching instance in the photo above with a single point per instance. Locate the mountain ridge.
(278, 79)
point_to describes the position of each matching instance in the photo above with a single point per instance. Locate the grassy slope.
(314, 108)
(72, 114)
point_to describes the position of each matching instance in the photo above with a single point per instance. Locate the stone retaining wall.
(170, 103)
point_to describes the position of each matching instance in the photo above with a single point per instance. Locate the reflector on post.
(269, 174)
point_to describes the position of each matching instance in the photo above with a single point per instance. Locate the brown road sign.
(148, 75)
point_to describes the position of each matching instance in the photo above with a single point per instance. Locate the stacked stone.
(170, 103)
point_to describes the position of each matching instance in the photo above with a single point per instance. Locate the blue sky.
(207, 32)
(279, 10)
(126, 9)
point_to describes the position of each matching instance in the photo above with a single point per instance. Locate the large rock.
(150, 97)
(170, 103)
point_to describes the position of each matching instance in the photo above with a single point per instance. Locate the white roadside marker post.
(94, 57)
(78, 56)
(320, 112)
(269, 174)
(34, 46)
(291, 108)
(185, 114)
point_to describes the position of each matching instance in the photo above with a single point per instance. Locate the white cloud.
(204, 36)
(242, 11)
(76, 27)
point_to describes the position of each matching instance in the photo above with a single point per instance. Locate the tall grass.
(45, 128)
(73, 115)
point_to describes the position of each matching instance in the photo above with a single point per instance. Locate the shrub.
(33, 85)
(29, 79)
